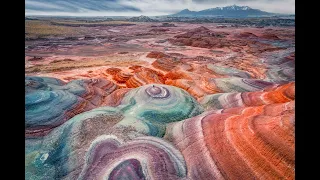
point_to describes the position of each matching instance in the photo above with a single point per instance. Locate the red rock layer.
(113, 71)
(156, 54)
(197, 89)
(166, 64)
(135, 67)
(246, 35)
(114, 99)
(122, 77)
(269, 36)
(205, 38)
(281, 94)
(159, 30)
(97, 90)
(238, 143)
(177, 74)
(143, 76)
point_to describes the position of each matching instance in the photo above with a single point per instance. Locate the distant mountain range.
(142, 19)
(228, 11)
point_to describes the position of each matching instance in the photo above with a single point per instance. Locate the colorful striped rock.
(122, 77)
(143, 111)
(60, 154)
(140, 158)
(166, 63)
(155, 105)
(281, 75)
(206, 86)
(228, 71)
(238, 143)
(50, 102)
(234, 84)
(115, 98)
(33, 83)
(281, 94)
(143, 76)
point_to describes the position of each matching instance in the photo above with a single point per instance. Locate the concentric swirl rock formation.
(50, 102)
(142, 111)
(140, 158)
(62, 154)
(238, 143)
(155, 105)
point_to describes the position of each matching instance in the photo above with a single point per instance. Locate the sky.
(145, 7)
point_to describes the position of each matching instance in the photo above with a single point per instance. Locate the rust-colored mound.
(122, 77)
(135, 67)
(269, 36)
(246, 35)
(204, 38)
(177, 74)
(156, 54)
(166, 64)
(238, 143)
(113, 71)
(143, 76)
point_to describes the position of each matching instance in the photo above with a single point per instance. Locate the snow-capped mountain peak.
(227, 11)
(233, 7)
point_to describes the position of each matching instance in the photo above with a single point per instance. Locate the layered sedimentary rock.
(269, 36)
(206, 86)
(115, 98)
(239, 84)
(156, 105)
(281, 75)
(205, 38)
(113, 71)
(143, 76)
(156, 54)
(141, 158)
(281, 94)
(122, 77)
(281, 66)
(50, 102)
(246, 35)
(166, 63)
(196, 101)
(228, 71)
(238, 143)
(142, 111)
(60, 154)
(159, 30)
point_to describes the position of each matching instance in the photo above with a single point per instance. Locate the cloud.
(146, 7)
(78, 6)
(42, 5)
